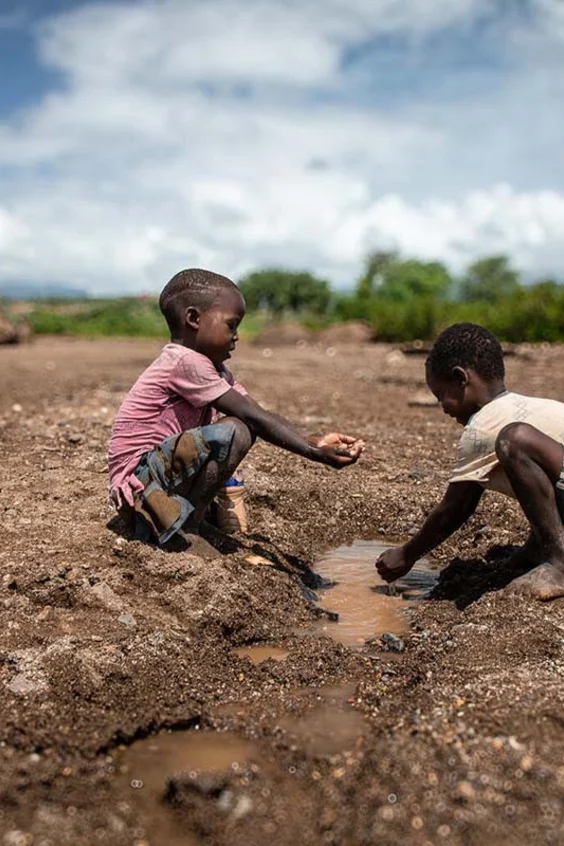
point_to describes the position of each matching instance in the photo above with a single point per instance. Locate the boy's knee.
(512, 440)
(243, 438)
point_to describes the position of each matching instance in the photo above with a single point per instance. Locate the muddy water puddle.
(145, 768)
(363, 601)
(331, 726)
(260, 654)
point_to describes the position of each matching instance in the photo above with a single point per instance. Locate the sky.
(141, 137)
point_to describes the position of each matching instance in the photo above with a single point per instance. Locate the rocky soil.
(105, 641)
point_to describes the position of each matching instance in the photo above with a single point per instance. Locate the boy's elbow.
(253, 423)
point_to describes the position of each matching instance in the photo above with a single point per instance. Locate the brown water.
(145, 767)
(260, 654)
(331, 727)
(361, 598)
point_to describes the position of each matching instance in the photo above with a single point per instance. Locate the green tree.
(375, 266)
(408, 278)
(490, 279)
(277, 291)
(387, 276)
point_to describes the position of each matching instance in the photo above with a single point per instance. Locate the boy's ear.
(460, 375)
(192, 317)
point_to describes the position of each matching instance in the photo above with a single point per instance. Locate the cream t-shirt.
(476, 459)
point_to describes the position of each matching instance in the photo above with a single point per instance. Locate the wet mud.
(109, 647)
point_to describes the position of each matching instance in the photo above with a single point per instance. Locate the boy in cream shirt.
(511, 443)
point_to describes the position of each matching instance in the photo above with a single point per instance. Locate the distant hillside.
(34, 291)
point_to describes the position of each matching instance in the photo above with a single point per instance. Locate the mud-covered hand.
(336, 449)
(393, 564)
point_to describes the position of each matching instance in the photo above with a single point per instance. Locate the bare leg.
(532, 462)
(214, 474)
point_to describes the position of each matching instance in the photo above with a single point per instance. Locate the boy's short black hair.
(467, 345)
(193, 287)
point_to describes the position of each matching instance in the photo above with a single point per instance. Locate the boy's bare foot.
(526, 557)
(544, 582)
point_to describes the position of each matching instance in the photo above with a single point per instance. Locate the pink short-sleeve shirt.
(175, 393)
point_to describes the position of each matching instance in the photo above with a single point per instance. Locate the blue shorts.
(167, 473)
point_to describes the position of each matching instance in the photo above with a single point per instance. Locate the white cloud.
(527, 226)
(233, 40)
(228, 134)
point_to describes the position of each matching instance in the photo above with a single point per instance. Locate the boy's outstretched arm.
(456, 507)
(335, 450)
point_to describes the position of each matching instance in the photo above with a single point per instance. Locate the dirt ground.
(105, 641)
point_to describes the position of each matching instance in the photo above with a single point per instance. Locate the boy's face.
(456, 394)
(217, 327)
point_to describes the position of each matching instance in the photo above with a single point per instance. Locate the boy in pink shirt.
(167, 457)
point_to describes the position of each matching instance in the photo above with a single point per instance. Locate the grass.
(126, 317)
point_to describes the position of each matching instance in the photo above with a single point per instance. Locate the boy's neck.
(183, 341)
(488, 391)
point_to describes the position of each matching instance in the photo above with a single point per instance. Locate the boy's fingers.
(346, 439)
(351, 454)
(357, 449)
(341, 457)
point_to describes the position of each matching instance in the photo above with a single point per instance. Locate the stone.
(395, 357)
(391, 643)
(465, 792)
(106, 596)
(47, 614)
(22, 684)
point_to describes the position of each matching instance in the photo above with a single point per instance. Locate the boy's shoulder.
(173, 355)
(188, 367)
(500, 407)
(511, 407)
(177, 364)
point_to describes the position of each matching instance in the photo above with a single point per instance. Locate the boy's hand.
(336, 449)
(393, 564)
